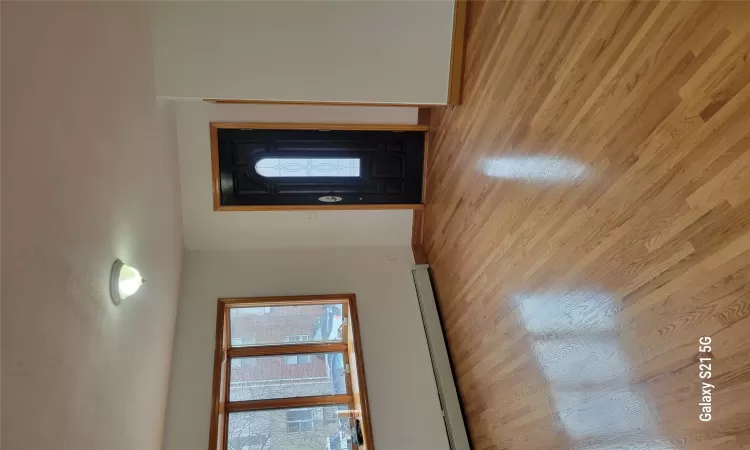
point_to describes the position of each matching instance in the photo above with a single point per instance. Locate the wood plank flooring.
(588, 221)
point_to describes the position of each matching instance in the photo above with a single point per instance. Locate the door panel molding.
(214, 128)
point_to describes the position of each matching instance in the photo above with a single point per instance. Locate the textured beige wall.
(87, 176)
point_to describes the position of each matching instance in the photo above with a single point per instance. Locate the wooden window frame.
(356, 397)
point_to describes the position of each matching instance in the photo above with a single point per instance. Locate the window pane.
(286, 376)
(289, 429)
(285, 324)
(243, 341)
(308, 167)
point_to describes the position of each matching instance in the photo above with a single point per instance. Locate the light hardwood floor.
(588, 221)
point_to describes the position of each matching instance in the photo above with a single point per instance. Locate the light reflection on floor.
(576, 343)
(534, 168)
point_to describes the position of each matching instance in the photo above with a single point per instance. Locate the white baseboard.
(441, 365)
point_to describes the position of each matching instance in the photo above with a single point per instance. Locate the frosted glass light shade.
(124, 281)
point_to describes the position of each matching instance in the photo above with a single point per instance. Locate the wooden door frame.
(214, 128)
(227, 101)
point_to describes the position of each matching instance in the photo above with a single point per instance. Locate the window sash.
(295, 345)
(297, 350)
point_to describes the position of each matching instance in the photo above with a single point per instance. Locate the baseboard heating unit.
(441, 364)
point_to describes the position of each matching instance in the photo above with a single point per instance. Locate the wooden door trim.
(320, 126)
(458, 47)
(216, 179)
(318, 103)
(417, 228)
(417, 238)
(414, 206)
(423, 116)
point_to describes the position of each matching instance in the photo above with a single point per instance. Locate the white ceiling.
(207, 229)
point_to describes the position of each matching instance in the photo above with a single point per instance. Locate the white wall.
(358, 51)
(88, 175)
(208, 229)
(403, 397)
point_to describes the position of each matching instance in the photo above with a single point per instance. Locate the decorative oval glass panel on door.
(308, 167)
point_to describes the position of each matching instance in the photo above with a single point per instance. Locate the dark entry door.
(310, 167)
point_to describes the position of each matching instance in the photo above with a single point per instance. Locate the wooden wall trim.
(361, 379)
(423, 116)
(425, 161)
(286, 300)
(317, 103)
(458, 44)
(318, 207)
(417, 233)
(216, 181)
(292, 349)
(294, 402)
(217, 411)
(417, 228)
(320, 126)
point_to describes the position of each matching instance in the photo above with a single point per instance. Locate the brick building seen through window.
(323, 395)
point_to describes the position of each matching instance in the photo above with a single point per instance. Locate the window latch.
(347, 369)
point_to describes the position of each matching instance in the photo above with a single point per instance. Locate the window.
(297, 359)
(299, 420)
(240, 312)
(239, 342)
(286, 323)
(330, 415)
(243, 362)
(303, 359)
(288, 373)
(277, 380)
(249, 442)
(243, 340)
(308, 167)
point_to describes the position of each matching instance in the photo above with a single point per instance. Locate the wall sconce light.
(124, 281)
